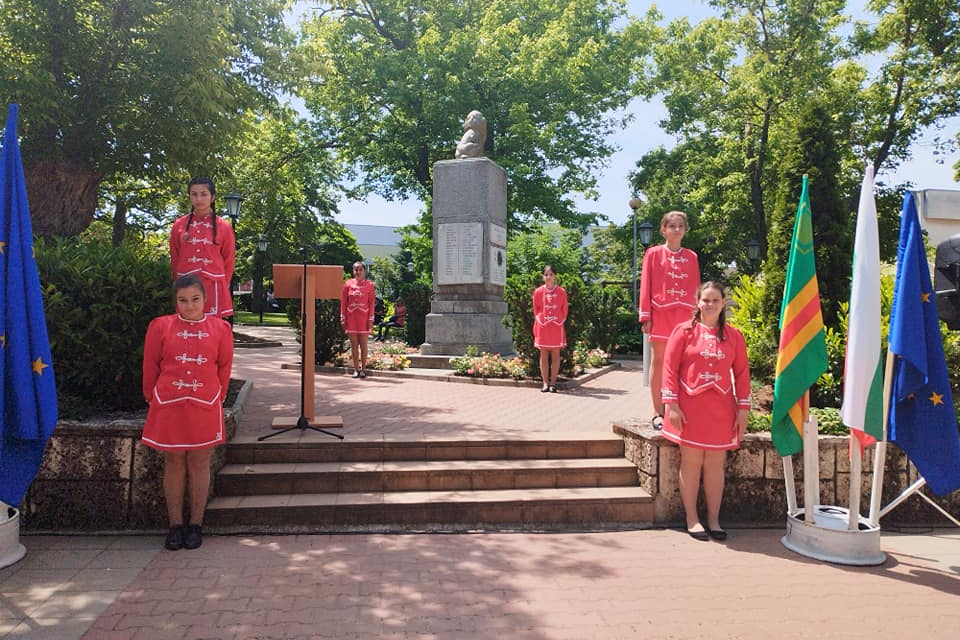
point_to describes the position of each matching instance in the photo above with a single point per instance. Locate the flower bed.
(488, 365)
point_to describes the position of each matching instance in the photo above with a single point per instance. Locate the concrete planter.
(10, 548)
(755, 494)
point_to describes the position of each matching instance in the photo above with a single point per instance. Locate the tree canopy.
(130, 89)
(390, 83)
(735, 86)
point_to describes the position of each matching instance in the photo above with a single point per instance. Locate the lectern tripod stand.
(313, 281)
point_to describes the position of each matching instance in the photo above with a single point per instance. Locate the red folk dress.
(549, 316)
(668, 289)
(194, 251)
(710, 380)
(186, 374)
(357, 304)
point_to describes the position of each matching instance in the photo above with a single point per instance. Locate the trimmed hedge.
(99, 300)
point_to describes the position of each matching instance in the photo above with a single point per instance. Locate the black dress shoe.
(717, 534)
(174, 539)
(193, 537)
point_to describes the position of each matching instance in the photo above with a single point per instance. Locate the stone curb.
(450, 376)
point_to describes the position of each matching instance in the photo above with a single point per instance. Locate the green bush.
(746, 314)
(828, 422)
(416, 295)
(329, 337)
(99, 300)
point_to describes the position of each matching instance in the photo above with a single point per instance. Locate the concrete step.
(529, 509)
(296, 450)
(422, 475)
(420, 361)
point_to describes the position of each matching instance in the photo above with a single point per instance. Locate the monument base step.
(420, 361)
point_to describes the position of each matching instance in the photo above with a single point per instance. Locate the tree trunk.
(62, 195)
(119, 220)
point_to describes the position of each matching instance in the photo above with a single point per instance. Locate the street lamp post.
(753, 251)
(233, 201)
(261, 251)
(634, 205)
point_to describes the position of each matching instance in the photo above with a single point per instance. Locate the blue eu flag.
(29, 393)
(922, 419)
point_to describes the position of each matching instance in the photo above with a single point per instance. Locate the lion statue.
(474, 136)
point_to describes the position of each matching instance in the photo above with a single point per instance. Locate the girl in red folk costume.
(706, 390)
(203, 244)
(187, 358)
(549, 333)
(357, 308)
(668, 283)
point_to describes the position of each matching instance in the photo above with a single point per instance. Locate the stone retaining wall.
(755, 494)
(98, 476)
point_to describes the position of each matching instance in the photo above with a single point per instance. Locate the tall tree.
(734, 76)
(392, 80)
(813, 151)
(130, 89)
(917, 84)
(735, 84)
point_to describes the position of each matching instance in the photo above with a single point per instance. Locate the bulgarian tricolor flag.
(862, 409)
(802, 356)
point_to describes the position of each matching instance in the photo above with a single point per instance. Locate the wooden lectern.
(323, 282)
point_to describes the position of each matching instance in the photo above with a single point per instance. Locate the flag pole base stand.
(830, 540)
(10, 548)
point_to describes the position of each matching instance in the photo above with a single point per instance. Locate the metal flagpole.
(811, 462)
(856, 471)
(790, 485)
(880, 451)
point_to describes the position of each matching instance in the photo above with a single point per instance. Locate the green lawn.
(269, 319)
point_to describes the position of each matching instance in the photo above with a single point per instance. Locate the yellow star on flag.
(936, 398)
(925, 296)
(3, 341)
(39, 366)
(3, 245)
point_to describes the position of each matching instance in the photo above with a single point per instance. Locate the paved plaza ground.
(652, 583)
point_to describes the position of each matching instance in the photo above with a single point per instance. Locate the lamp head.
(645, 230)
(753, 249)
(262, 243)
(233, 201)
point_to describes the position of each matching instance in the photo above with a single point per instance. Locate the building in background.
(375, 241)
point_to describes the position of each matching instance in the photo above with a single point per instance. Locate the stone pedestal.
(469, 259)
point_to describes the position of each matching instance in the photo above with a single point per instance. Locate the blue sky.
(643, 134)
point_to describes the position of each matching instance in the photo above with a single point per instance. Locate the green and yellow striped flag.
(802, 356)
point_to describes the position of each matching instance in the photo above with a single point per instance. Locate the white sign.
(498, 266)
(498, 235)
(460, 253)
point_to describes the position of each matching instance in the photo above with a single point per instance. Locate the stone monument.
(469, 251)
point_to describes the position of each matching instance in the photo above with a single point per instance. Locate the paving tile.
(62, 558)
(51, 628)
(102, 579)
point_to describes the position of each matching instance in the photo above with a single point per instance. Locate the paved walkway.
(610, 585)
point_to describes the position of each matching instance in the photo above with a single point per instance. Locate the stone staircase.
(434, 485)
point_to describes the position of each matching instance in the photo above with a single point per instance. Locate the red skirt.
(664, 321)
(711, 422)
(549, 336)
(183, 425)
